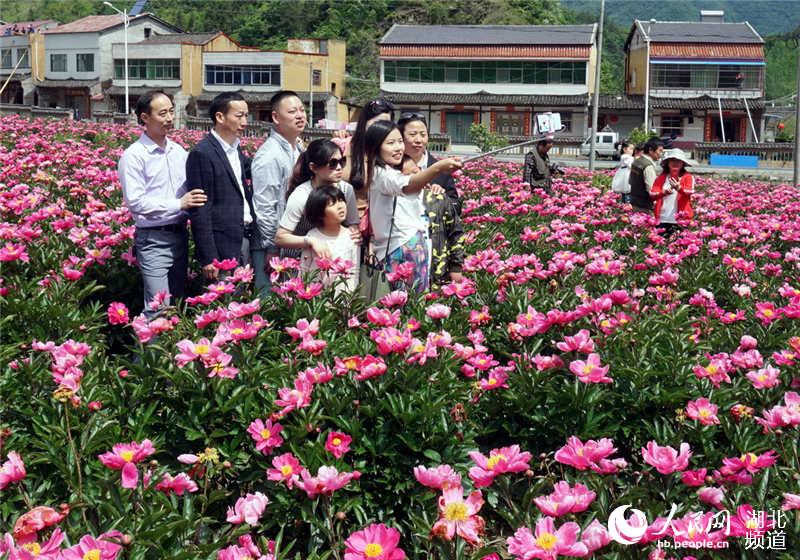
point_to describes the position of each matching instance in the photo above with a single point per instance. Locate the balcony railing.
(436, 142)
(769, 154)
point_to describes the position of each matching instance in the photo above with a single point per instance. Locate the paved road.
(770, 173)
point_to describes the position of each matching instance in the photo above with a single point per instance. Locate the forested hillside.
(268, 23)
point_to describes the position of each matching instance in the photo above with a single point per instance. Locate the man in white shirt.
(152, 174)
(272, 168)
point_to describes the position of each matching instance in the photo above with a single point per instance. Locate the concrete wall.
(636, 70)
(136, 34)
(72, 44)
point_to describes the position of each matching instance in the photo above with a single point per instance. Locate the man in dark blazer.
(223, 225)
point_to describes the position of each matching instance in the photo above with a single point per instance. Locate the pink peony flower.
(90, 548)
(694, 478)
(547, 542)
(13, 470)
(266, 435)
(118, 314)
(503, 460)
(702, 410)
(580, 342)
(438, 311)
(248, 509)
(588, 455)
(595, 536)
(439, 477)
(178, 484)
(327, 481)
(590, 370)
(286, 469)
(337, 444)
(376, 541)
(565, 499)
(711, 496)
(124, 456)
(459, 516)
(765, 378)
(666, 459)
(790, 501)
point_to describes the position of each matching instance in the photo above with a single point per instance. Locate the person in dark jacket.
(222, 227)
(537, 171)
(644, 171)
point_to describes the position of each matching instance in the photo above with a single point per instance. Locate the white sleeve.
(389, 182)
(295, 207)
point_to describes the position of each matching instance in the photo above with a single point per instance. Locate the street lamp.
(124, 14)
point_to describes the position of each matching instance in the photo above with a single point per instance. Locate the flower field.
(585, 364)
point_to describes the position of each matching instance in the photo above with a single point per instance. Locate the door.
(731, 130)
(458, 124)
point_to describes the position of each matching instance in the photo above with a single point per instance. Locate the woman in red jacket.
(672, 190)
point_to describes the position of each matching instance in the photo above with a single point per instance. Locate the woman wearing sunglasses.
(374, 111)
(320, 165)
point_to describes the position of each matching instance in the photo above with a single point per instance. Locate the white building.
(498, 75)
(20, 50)
(79, 63)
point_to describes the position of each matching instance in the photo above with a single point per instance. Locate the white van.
(604, 144)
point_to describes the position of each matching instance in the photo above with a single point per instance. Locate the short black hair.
(221, 103)
(276, 99)
(143, 104)
(406, 118)
(652, 145)
(318, 201)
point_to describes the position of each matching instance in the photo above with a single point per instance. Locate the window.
(485, 72)
(316, 77)
(671, 124)
(5, 58)
(148, 69)
(22, 55)
(147, 32)
(267, 75)
(85, 62)
(566, 122)
(510, 124)
(58, 63)
(706, 76)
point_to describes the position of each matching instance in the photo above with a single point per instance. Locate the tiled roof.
(139, 90)
(484, 98)
(489, 35)
(93, 24)
(261, 97)
(65, 83)
(25, 25)
(488, 51)
(708, 50)
(699, 32)
(179, 38)
(636, 102)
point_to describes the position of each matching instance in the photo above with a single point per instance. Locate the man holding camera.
(538, 171)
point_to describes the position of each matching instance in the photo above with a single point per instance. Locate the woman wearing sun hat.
(672, 191)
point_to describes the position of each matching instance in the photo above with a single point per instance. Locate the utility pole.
(797, 119)
(596, 102)
(311, 93)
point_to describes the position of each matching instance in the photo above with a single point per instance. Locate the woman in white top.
(395, 206)
(326, 211)
(619, 184)
(320, 165)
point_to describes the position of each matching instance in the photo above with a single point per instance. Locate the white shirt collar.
(225, 146)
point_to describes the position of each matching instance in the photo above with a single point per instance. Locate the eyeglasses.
(412, 117)
(333, 163)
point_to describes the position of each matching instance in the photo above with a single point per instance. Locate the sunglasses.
(380, 106)
(412, 117)
(333, 163)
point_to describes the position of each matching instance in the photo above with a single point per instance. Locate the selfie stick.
(503, 149)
